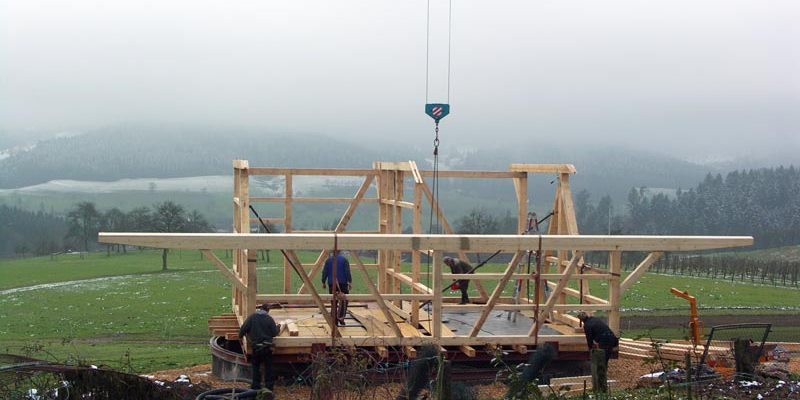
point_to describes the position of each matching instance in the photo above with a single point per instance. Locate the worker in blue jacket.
(343, 282)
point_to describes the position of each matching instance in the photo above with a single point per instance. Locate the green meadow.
(125, 312)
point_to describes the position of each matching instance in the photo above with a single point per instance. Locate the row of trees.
(85, 221)
(40, 233)
(761, 202)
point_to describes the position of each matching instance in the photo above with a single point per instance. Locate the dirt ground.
(626, 371)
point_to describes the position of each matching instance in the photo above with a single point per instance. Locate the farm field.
(126, 313)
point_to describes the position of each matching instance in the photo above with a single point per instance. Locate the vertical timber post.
(599, 371)
(287, 228)
(615, 266)
(415, 256)
(437, 295)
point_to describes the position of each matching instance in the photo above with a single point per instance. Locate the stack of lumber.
(570, 386)
(630, 348)
(224, 325)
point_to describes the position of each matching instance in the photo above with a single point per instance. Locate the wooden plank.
(506, 243)
(312, 171)
(498, 290)
(382, 352)
(376, 294)
(398, 203)
(543, 168)
(554, 296)
(473, 174)
(496, 276)
(308, 200)
(409, 280)
(639, 270)
(468, 350)
(224, 269)
(306, 298)
(371, 341)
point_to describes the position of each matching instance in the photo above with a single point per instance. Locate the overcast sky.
(722, 75)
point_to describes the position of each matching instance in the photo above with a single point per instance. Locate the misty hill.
(169, 152)
(183, 151)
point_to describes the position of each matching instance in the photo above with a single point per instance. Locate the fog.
(694, 78)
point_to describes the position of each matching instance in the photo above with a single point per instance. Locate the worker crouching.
(460, 267)
(598, 331)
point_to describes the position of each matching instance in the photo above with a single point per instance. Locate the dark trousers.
(341, 305)
(257, 361)
(607, 343)
(463, 285)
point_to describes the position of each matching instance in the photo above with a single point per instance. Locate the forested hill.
(761, 202)
(180, 151)
(166, 152)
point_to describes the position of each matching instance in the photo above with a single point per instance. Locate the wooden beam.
(361, 297)
(377, 295)
(468, 350)
(544, 168)
(473, 174)
(614, 292)
(224, 269)
(398, 203)
(311, 171)
(409, 280)
(382, 351)
(498, 290)
(308, 200)
(438, 264)
(496, 275)
(302, 341)
(639, 270)
(484, 243)
(577, 294)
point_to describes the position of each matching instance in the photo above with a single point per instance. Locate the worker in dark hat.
(598, 331)
(460, 267)
(260, 328)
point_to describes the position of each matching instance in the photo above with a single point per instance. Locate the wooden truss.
(396, 296)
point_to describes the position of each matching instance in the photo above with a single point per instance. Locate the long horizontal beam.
(299, 341)
(486, 243)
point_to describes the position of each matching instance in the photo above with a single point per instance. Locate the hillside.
(166, 151)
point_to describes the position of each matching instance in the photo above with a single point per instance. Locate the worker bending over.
(343, 282)
(260, 328)
(460, 267)
(597, 331)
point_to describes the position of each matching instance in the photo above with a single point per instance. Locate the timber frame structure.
(388, 313)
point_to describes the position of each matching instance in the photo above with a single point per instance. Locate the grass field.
(130, 314)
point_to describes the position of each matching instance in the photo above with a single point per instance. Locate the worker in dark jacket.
(260, 328)
(343, 282)
(597, 331)
(460, 267)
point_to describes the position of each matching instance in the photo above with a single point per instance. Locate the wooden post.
(437, 294)
(287, 227)
(599, 371)
(615, 268)
(415, 256)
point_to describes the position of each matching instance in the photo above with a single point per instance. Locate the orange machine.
(694, 322)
